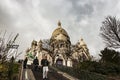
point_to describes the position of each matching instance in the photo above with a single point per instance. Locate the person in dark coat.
(45, 63)
(25, 63)
(35, 63)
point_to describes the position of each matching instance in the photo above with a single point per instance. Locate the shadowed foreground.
(52, 74)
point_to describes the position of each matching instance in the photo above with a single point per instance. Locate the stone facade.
(60, 51)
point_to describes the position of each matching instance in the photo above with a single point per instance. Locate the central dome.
(59, 31)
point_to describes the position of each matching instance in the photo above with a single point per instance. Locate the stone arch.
(59, 59)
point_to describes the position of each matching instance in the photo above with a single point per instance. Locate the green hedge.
(82, 74)
(105, 69)
(9, 70)
(92, 70)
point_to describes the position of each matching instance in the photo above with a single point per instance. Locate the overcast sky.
(37, 19)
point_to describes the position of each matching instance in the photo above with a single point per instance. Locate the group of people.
(44, 64)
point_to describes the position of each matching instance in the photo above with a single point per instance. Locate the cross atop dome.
(59, 24)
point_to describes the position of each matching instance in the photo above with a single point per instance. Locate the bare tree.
(5, 49)
(110, 32)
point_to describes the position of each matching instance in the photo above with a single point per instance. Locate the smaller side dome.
(34, 43)
(82, 43)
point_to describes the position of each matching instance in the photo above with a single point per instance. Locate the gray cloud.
(4, 17)
(81, 9)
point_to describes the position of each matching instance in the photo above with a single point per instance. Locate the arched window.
(59, 61)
